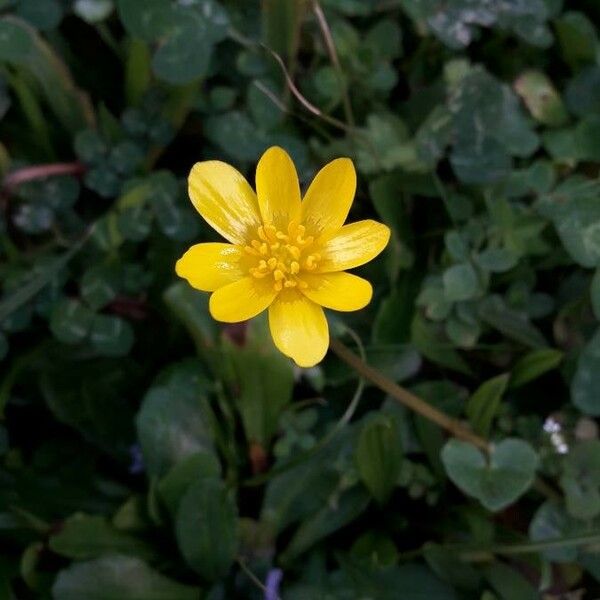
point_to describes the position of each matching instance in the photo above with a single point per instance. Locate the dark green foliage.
(150, 453)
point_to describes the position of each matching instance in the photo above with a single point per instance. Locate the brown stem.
(333, 56)
(402, 395)
(41, 172)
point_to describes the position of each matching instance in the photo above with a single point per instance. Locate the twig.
(253, 578)
(476, 553)
(326, 439)
(402, 395)
(333, 55)
(16, 178)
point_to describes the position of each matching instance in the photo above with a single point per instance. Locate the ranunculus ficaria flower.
(285, 253)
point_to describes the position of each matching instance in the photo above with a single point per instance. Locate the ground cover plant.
(446, 447)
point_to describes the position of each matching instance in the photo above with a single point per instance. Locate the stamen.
(282, 255)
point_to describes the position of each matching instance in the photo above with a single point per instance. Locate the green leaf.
(173, 422)
(450, 568)
(286, 501)
(497, 260)
(264, 380)
(577, 37)
(484, 404)
(3, 346)
(379, 457)
(111, 335)
(90, 536)
(93, 403)
(584, 387)
(514, 325)
(583, 92)
(551, 522)
(175, 483)
(460, 282)
(595, 294)
(206, 528)
(575, 212)
(90, 146)
(580, 480)
(186, 33)
(463, 333)
(93, 11)
(533, 365)
(457, 27)
(488, 128)
(348, 506)
(175, 218)
(186, 52)
(71, 322)
(496, 482)
(191, 308)
(386, 145)
(42, 14)
(117, 578)
(427, 341)
(236, 135)
(508, 583)
(384, 40)
(99, 285)
(147, 20)
(375, 549)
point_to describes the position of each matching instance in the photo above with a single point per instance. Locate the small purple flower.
(274, 577)
(137, 459)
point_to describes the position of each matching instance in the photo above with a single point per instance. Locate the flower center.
(282, 256)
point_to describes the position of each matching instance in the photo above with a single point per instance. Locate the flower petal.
(354, 245)
(277, 188)
(299, 328)
(241, 300)
(338, 291)
(328, 199)
(208, 267)
(225, 199)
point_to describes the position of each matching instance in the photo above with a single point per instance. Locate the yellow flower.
(285, 254)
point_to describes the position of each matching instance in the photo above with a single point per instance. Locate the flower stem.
(25, 174)
(402, 395)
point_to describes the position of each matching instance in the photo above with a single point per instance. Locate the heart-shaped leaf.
(496, 481)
